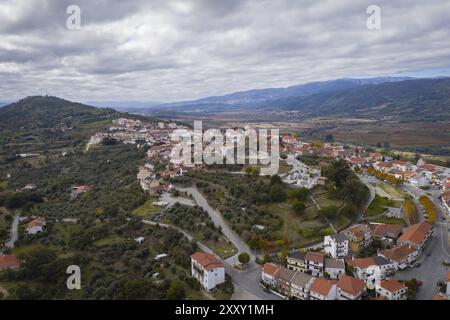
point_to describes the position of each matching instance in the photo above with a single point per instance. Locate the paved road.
(14, 232)
(368, 182)
(432, 269)
(171, 200)
(246, 282)
(218, 220)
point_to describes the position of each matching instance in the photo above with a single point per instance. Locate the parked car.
(419, 282)
(429, 254)
(417, 265)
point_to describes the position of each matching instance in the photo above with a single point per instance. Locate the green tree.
(244, 257)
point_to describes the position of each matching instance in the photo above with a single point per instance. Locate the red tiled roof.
(36, 223)
(351, 285)
(322, 286)
(398, 253)
(361, 263)
(270, 268)
(391, 285)
(416, 233)
(207, 261)
(9, 261)
(316, 257)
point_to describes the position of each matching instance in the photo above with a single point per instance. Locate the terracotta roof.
(351, 285)
(384, 230)
(316, 257)
(322, 286)
(398, 253)
(362, 263)
(429, 167)
(207, 261)
(448, 276)
(36, 223)
(9, 261)
(416, 233)
(270, 268)
(391, 285)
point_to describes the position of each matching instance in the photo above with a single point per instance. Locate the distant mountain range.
(398, 98)
(258, 95)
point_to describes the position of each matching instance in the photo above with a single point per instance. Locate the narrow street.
(14, 232)
(246, 282)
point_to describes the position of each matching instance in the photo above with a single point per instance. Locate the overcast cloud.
(175, 50)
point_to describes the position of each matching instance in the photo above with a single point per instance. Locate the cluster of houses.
(420, 174)
(131, 131)
(338, 273)
(305, 177)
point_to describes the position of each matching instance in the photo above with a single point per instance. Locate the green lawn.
(107, 241)
(394, 192)
(388, 220)
(376, 208)
(3, 185)
(147, 209)
(30, 248)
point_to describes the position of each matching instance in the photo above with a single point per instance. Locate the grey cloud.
(170, 50)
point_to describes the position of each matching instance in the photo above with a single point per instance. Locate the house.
(296, 261)
(418, 180)
(78, 190)
(416, 235)
(391, 289)
(349, 288)
(300, 285)
(9, 262)
(335, 268)
(283, 279)
(359, 237)
(383, 232)
(160, 256)
(403, 165)
(371, 269)
(139, 240)
(336, 245)
(401, 255)
(269, 271)
(36, 226)
(207, 269)
(323, 289)
(315, 263)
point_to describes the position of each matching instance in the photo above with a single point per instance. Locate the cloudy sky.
(167, 50)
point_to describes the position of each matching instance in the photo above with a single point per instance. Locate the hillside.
(42, 123)
(300, 90)
(425, 99)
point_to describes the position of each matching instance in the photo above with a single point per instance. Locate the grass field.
(376, 208)
(147, 209)
(386, 190)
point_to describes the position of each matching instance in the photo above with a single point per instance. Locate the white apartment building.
(207, 269)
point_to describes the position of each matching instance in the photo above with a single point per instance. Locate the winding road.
(246, 282)
(14, 232)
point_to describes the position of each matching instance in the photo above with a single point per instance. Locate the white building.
(207, 269)
(323, 289)
(335, 268)
(392, 290)
(36, 226)
(268, 275)
(336, 245)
